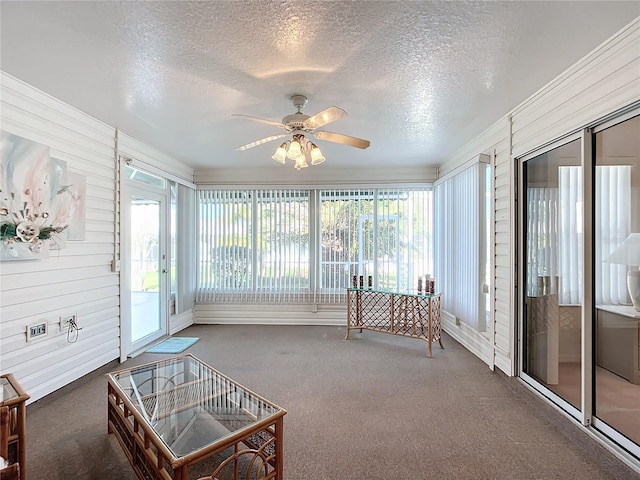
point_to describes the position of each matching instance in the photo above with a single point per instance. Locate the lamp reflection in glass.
(316, 155)
(628, 253)
(281, 153)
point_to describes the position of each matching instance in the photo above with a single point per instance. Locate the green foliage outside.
(357, 227)
(150, 282)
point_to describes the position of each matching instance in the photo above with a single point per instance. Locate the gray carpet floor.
(374, 407)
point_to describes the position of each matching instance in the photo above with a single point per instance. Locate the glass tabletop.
(189, 404)
(407, 292)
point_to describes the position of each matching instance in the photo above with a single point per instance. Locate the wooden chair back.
(4, 432)
(12, 472)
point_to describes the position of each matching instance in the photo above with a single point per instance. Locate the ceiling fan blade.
(262, 120)
(328, 115)
(261, 141)
(343, 139)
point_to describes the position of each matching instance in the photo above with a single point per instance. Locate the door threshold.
(143, 349)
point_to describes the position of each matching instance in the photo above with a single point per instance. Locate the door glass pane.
(145, 267)
(617, 279)
(553, 270)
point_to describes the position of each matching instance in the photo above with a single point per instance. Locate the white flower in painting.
(37, 245)
(27, 231)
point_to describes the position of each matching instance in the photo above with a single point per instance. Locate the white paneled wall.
(74, 280)
(265, 314)
(318, 175)
(77, 279)
(503, 254)
(129, 147)
(599, 84)
(605, 81)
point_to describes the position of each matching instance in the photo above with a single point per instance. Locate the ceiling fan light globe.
(301, 163)
(281, 154)
(316, 156)
(295, 151)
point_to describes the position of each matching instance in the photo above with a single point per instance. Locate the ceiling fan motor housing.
(295, 121)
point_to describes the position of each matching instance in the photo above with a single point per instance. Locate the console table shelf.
(399, 313)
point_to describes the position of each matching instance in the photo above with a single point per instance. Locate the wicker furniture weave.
(172, 414)
(13, 428)
(406, 314)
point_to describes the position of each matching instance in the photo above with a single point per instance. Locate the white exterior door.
(144, 279)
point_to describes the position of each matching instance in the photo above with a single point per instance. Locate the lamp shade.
(628, 252)
(295, 151)
(316, 155)
(301, 162)
(281, 153)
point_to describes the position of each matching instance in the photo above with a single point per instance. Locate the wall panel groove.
(76, 279)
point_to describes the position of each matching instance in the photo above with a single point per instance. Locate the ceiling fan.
(299, 149)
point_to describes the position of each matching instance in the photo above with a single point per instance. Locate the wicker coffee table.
(172, 414)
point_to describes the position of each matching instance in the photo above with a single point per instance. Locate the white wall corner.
(469, 338)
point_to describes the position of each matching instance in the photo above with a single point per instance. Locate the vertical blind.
(555, 237)
(460, 223)
(294, 245)
(184, 237)
(281, 246)
(570, 239)
(385, 234)
(613, 224)
(224, 250)
(542, 238)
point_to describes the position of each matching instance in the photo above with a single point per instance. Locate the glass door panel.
(617, 255)
(552, 300)
(147, 267)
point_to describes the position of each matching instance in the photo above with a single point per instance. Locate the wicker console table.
(399, 313)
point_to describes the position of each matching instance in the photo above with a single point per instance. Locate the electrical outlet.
(66, 320)
(38, 330)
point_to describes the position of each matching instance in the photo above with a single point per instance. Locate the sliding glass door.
(580, 295)
(617, 279)
(552, 299)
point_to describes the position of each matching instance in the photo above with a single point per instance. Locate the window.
(463, 207)
(385, 234)
(304, 245)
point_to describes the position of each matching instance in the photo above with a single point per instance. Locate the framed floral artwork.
(34, 199)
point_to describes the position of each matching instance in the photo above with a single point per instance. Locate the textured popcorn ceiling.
(418, 79)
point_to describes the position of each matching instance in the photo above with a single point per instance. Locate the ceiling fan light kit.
(300, 149)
